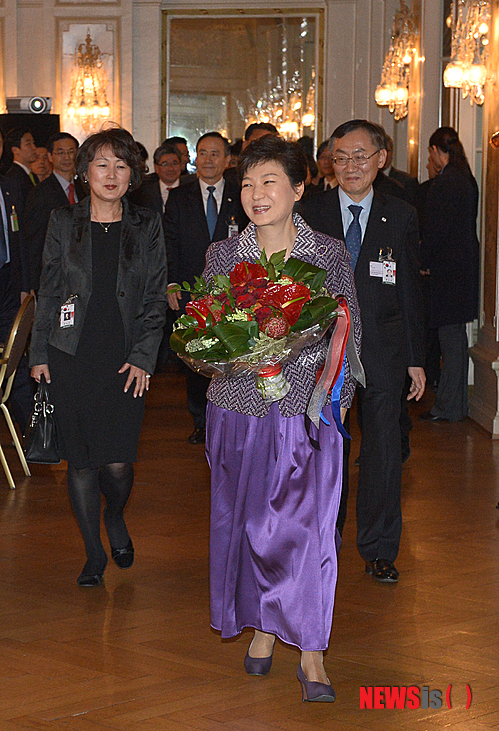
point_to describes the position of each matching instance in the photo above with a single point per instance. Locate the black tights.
(85, 486)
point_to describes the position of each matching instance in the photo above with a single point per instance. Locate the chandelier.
(393, 91)
(88, 103)
(469, 20)
(284, 103)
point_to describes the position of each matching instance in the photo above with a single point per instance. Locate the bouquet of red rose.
(259, 316)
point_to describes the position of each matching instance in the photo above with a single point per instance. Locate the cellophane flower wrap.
(253, 320)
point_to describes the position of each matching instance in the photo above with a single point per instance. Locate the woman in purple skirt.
(275, 497)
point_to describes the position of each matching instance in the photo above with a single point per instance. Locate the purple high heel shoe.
(313, 691)
(258, 665)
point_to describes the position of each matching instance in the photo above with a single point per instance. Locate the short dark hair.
(123, 146)
(312, 165)
(268, 126)
(447, 140)
(14, 137)
(218, 136)
(60, 136)
(165, 149)
(323, 146)
(289, 155)
(175, 140)
(375, 132)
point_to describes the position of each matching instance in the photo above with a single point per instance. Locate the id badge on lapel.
(68, 312)
(385, 267)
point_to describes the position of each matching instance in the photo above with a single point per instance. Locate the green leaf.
(234, 336)
(222, 281)
(179, 338)
(186, 286)
(302, 271)
(314, 311)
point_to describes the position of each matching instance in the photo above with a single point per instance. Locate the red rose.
(262, 312)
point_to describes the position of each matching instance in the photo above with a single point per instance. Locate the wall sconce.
(393, 91)
(494, 140)
(469, 20)
(88, 102)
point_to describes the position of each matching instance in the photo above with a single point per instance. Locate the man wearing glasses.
(59, 189)
(154, 191)
(381, 234)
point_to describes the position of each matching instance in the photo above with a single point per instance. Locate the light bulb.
(382, 95)
(453, 75)
(477, 74)
(483, 29)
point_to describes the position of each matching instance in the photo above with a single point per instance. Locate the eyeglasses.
(359, 160)
(168, 164)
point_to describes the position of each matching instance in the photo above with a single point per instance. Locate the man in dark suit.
(14, 287)
(58, 190)
(381, 233)
(154, 191)
(205, 210)
(408, 183)
(20, 148)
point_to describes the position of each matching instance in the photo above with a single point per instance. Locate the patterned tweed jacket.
(238, 393)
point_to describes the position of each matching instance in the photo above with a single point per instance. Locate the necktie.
(32, 178)
(353, 238)
(211, 211)
(3, 243)
(71, 193)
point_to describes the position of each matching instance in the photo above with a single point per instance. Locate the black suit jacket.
(20, 277)
(409, 184)
(186, 230)
(22, 179)
(392, 318)
(148, 195)
(40, 203)
(450, 247)
(67, 271)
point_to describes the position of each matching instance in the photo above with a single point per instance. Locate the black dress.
(97, 422)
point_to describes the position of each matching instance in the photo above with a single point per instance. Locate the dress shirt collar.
(26, 169)
(347, 216)
(64, 183)
(219, 188)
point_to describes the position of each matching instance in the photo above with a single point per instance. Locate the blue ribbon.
(335, 404)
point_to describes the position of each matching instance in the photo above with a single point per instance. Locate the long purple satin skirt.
(274, 503)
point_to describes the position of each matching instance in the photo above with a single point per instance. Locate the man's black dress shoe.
(89, 580)
(382, 570)
(428, 416)
(123, 557)
(198, 436)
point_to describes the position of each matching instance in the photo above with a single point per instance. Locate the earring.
(85, 180)
(130, 184)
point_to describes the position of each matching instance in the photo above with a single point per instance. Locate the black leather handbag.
(40, 441)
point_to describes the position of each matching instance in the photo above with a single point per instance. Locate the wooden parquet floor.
(138, 654)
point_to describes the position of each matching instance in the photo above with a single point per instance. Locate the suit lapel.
(335, 212)
(377, 226)
(224, 214)
(198, 208)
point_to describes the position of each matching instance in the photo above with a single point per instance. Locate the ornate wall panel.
(105, 33)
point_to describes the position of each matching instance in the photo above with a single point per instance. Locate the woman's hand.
(173, 298)
(418, 384)
(37, 371)
(141, 379)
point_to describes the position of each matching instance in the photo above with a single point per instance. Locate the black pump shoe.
(123, 557)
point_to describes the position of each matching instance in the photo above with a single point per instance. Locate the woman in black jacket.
(101, 309)
(450, 254)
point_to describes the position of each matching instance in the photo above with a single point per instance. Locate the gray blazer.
(67, 271)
